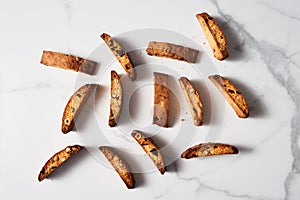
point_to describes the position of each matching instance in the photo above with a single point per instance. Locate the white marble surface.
(263, 39)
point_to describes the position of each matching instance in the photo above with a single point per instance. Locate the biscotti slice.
(161, 100)
(115, 98)
(168, 50)
(120, 54)
(233, 95)
(74, 106)
(193, 99)
(57, 160)
(120, 165)
(214, 35)
(151, 149)
(209, 149)
(68, 62)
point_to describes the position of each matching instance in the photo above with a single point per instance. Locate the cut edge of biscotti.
(214, 35)
(194, 101)
(121, 55)
(74, 105)
(57, 160)
(115, 99)
(232, 94)
(68, 62)
(151, 149)
(173, 51)
(120, 165)
(161, 100)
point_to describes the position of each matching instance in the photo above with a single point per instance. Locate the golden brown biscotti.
(57, 160)
(233, 95)
(151, 149)
(214, 35)
(115, 99)
(74, 106)
(68, 62)
(209, 149)
(121, 55)
(161, 100)
(168, 50)
(193, 99)
(120, 165)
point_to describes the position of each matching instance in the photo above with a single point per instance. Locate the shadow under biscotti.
(205, 99)
(86, 113)
(255, 104)
(243, 149)
(168, 153)
(174, 104)
(235, 41)
(129, 158)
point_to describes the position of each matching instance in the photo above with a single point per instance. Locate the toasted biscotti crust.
(151, 149)
(120, 165)
(161, 100)
(57, 160)
(120, 54)
(168, 50)
(115, 99)
(233, 95)
(214, 35)
(68, 62)
(209, 149)
(74, 106)
(193, 99)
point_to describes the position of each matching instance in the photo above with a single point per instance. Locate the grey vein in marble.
(67, 5)
(201, 185)
(34, 86)
(276, 61)
(279, 11)
(275, 58)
